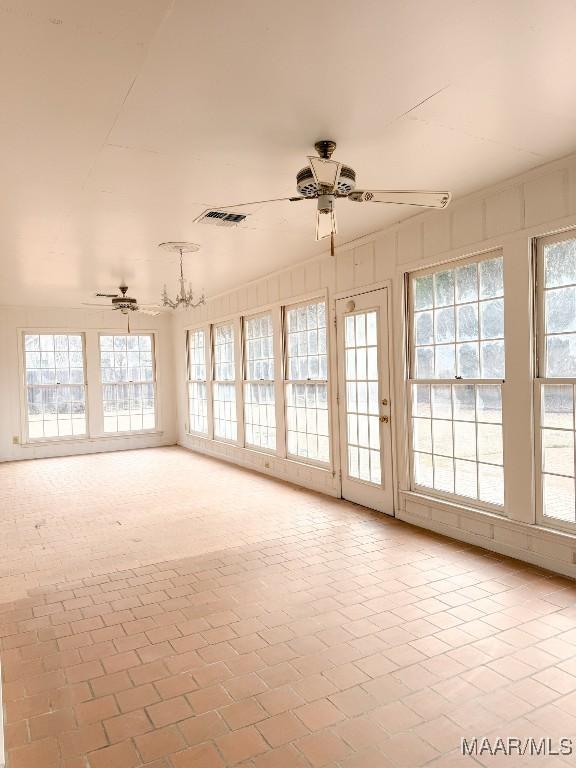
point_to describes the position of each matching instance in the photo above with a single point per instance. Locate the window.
(128, 382)
(224, 387)
(55, 385)
(457, 368)
(556, 281)
(197, 393)
(306, 384)
(259, 400)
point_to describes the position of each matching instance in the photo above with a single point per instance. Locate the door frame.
(350, 293)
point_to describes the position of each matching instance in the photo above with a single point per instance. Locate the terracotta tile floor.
(165, 610)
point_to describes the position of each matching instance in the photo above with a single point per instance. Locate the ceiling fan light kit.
(184, 296)
(326, 180)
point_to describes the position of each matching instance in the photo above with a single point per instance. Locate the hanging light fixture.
(184, 296)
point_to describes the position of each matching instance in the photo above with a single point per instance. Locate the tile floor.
(165, 610)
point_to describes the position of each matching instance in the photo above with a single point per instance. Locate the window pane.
(467, 322)
(127, 375)
(306, 342)
(224, 368)
(259, 398)
(561, 356)
(491, 278)
(561, 310)
(307, 421)
(260, 415)
(558, 406)
(444, 325)
(307, 434)
(444, 288)
(224, 406)
(424, 327)
(198, 407)
(491, 483)
(459, 449)
(54, 408)
(197, 355)
(259, 347)
(423, 292)
(560, 264)
(558, 451)
(467, 283)
(465, 305)
(558, 498)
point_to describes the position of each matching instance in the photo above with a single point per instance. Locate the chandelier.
(184, 296)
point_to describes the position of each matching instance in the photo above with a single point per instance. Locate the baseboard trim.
(306, 475)
(546, 561)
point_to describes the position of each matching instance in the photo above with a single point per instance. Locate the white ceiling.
(121, 120)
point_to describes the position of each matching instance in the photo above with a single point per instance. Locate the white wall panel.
(410, 243)
(467, 223)
(364, 265)
(504, 212)
(385, 256)
(546, 197)
(436, 234)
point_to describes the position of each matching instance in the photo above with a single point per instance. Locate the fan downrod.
(325, 148)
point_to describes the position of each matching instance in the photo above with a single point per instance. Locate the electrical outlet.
(267, 464)
(15, 440)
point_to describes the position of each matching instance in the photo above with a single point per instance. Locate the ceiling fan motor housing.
(307, 186)
(124, 303)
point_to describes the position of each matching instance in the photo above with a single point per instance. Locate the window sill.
(88, 439)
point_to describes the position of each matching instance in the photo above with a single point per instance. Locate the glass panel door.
(364, 400)
(362, 409)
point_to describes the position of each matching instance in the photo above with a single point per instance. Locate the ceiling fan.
(325, 180)
(124, 304)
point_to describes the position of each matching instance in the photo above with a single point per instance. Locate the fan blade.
(401, 197)
(325, 224)
(149, 306)
(256, 202)
(106, 295)
(148, 311)
(91, 304)
(326, 172)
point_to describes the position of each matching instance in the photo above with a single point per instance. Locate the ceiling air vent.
(220, 218)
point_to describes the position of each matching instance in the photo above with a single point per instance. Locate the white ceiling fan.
(120, 302)
(325, 180)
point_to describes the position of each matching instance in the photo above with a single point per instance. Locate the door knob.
(384, 419)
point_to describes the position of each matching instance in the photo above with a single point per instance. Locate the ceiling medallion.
(184, 296)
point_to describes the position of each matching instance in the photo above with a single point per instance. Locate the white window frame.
(24, 426)
(237, 381)
(540, 378)
(465, 501)
(206, 381)
(272, 381)
(314, 299)
(154, 383)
